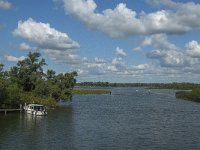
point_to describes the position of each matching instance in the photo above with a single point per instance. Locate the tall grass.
(193, 95)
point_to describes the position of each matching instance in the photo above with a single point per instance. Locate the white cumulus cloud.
(44, 36)
(57, 45)
(137, 49)
(159, 41)
(193, 49)
(140, 67)
(5, 4)
(63, 56)
(122, 21)
(13, 58)
(120, 52)
(24, 46)
(169, 55)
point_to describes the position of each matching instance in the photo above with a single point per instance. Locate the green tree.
(50, 74)
(26, 82)
(28, 71)
(62, 85)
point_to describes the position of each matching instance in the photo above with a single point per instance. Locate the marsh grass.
(193, 95)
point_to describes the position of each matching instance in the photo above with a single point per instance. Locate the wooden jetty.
(11, 110)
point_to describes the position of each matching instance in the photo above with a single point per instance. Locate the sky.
(129, 41)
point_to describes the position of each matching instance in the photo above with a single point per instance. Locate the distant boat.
(35, 109)
(149, 91)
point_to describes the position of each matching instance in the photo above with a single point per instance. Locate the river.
(128, 119)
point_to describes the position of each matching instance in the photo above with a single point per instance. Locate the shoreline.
(85, 92)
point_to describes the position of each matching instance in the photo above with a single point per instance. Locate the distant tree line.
(27, 83)
(177, 86)
(107, 84)
(193, 94)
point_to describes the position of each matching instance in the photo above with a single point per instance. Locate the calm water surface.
(125, 120)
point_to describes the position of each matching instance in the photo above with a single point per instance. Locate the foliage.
(28, 71)
(26, 83)
(27, 97)
(14, 98)
(3, 92)
(9, 95)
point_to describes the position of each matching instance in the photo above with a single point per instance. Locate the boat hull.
(37, 113)
(35, 109)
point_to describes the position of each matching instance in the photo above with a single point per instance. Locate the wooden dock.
(11, 110)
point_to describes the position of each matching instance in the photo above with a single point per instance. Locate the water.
(126, 120)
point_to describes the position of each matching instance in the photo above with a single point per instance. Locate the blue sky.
(105, 40)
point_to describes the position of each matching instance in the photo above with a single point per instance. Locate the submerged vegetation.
(27, 83)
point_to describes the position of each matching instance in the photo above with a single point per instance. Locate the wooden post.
(20, 107)
(5, 112)
(25, 107)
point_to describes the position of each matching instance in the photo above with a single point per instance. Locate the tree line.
(27, 83)
(177, 86)
(187, 91)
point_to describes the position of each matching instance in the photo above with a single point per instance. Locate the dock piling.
(20, 106)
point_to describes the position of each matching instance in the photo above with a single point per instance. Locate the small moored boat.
(35, 109)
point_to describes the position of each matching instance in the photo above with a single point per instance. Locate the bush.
(3, 93)
(14, 99)
(28, 98)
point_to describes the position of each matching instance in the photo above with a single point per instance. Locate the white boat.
(35, 109)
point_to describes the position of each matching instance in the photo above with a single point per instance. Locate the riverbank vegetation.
(193, 95)
(176, 86)
(27, 83)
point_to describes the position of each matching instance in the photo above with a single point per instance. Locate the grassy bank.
(193, 95)
(91, 92)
